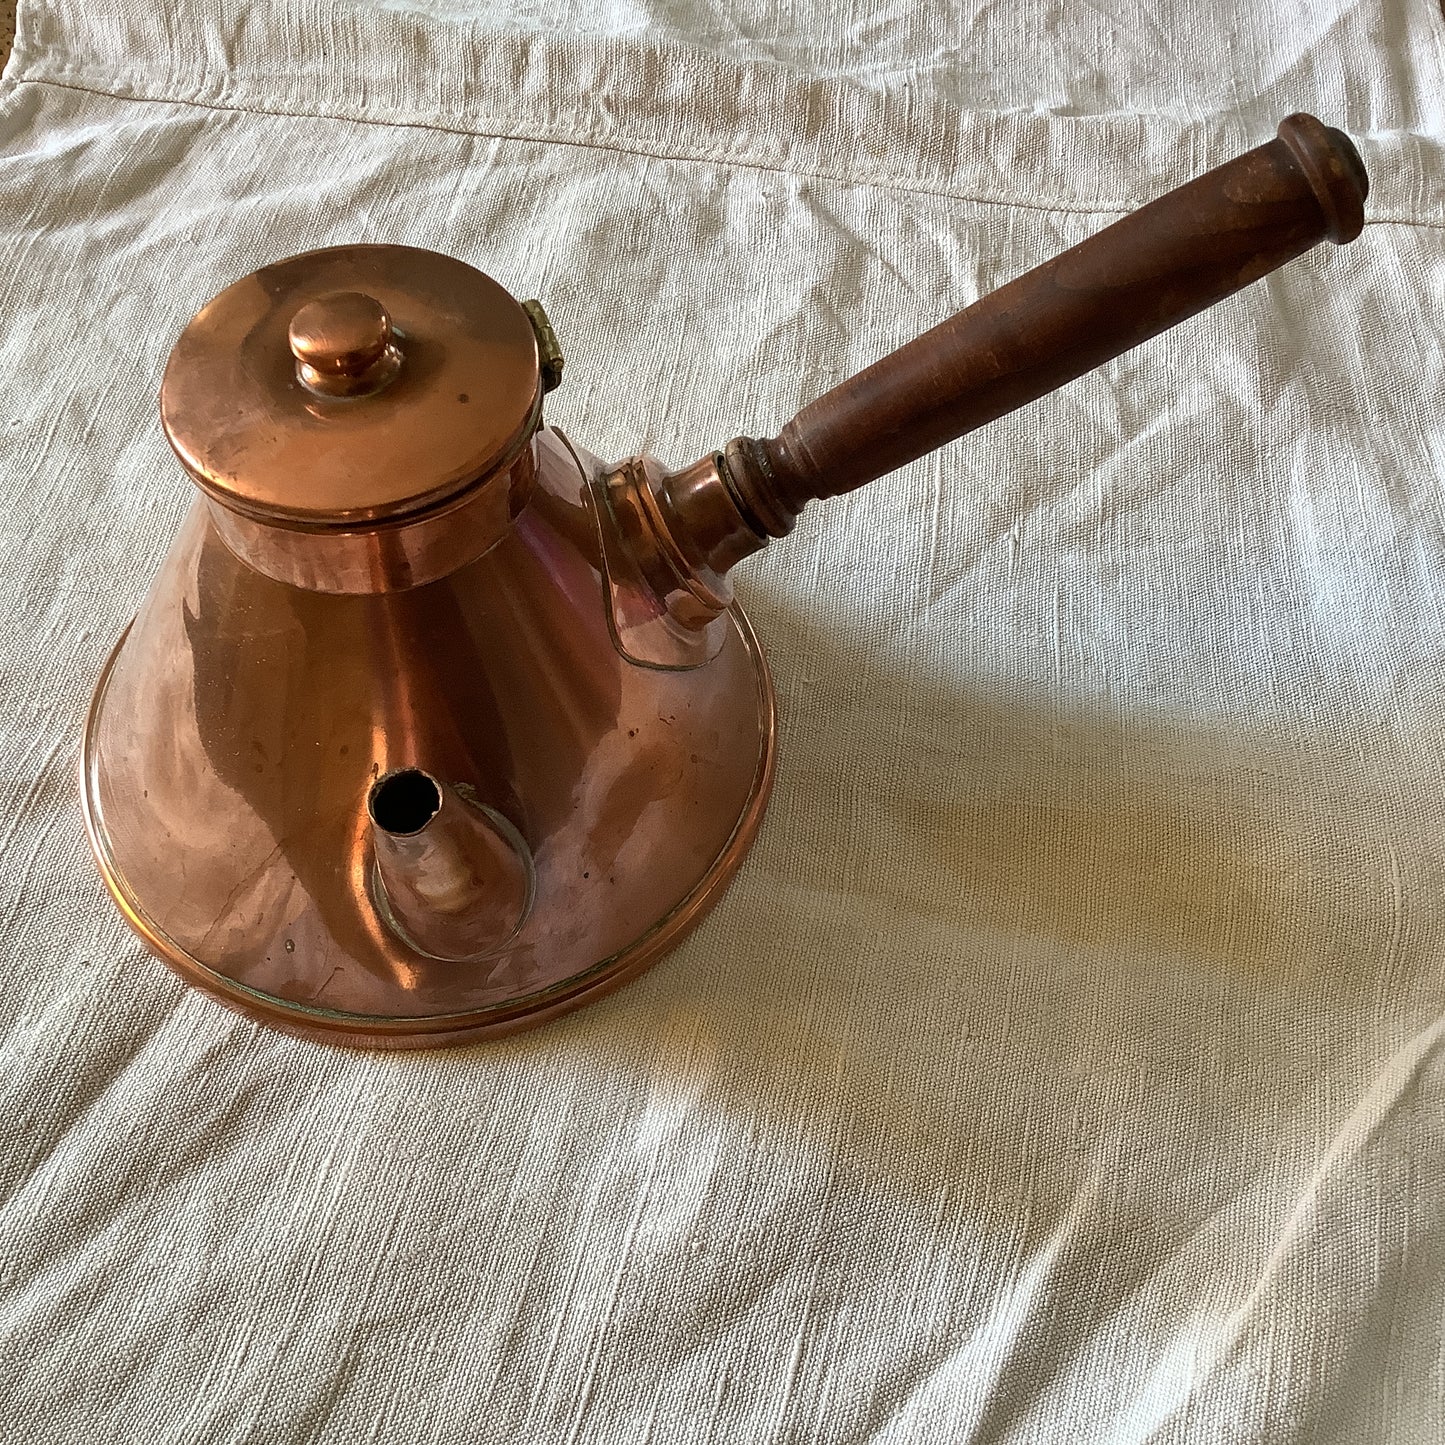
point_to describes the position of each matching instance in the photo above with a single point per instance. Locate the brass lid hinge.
(549, 354)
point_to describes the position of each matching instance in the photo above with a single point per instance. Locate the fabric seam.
(622, 147)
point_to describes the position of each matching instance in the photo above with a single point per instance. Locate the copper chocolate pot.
(433, 725)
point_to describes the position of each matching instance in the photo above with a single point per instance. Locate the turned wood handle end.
(1334, 170)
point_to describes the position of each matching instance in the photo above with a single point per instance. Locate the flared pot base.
(591, 979)
(241, 722)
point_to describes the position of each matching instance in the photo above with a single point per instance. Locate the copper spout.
(453, 879)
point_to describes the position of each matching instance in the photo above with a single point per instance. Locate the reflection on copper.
(344, 345)
(384, 556)
(242, 722)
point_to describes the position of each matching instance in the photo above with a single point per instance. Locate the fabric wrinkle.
(1064, 1062)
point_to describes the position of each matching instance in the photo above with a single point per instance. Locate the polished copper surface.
(344, 345)
(241, 724)
(384, 556)
(466, 394)
(453, 879)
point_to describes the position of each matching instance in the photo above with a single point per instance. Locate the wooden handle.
(1136, 278)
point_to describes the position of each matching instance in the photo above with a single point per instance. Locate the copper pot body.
(432, 725)
(243, 720)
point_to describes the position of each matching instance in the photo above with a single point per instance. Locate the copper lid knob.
(343, 345)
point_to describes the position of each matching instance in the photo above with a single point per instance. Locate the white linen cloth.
(1066, 1063)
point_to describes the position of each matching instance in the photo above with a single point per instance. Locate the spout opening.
(404, 802)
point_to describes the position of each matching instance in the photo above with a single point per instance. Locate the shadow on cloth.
(1026, 1015)
(1018, 1041)
(1044, 971)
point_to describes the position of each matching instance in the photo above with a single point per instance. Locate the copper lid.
(357, 384)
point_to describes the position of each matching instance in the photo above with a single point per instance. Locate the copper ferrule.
(684, 531)
(384, 556)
